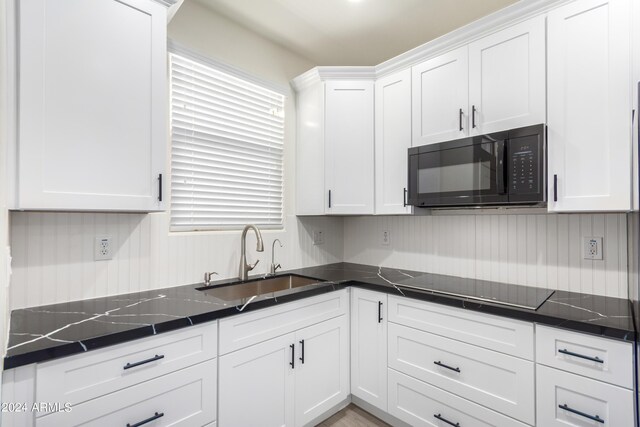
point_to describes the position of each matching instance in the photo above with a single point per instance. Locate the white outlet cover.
(386, 238)
(592, 247)
(103, 248)
(318, 237)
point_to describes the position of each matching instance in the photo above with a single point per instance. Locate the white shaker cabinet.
(589, 106)
(369, 346)
(92, 105)
(392, 140)
(349, 147)
(256, 384)
(440, 98)
(507, 78)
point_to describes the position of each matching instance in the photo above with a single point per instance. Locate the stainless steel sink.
(236, 291)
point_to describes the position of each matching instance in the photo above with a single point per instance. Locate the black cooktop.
(524, 297)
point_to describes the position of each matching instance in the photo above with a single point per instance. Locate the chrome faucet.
(274, 267)
(207, 278)
(245, 268)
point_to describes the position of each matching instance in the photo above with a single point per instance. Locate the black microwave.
(501, 168)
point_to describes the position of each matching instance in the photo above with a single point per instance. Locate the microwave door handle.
(501, 167)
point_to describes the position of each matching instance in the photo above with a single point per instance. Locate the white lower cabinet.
(421, 404)
(289, 380)
(498, 381)
(369, 347)
(566, 399)
(257, 384)
(182, 398)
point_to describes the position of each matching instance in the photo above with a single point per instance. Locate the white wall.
(537, 250)
(53, 252)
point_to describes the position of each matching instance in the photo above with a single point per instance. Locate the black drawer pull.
(441, 418)
(473, 116)
(302, 351)
(379, 311)
(404, 198)
(582, 414)
(293, 356)
(555, 188)
(460, 119)
(142, 362)
(148, 420)
(329, 199)
(439, 363)
(581, 356)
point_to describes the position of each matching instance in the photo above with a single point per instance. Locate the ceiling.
(352, 32)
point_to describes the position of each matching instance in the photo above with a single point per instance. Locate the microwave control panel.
(524, 165)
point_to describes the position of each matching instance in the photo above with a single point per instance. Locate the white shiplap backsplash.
(538, 250)
(53, 253)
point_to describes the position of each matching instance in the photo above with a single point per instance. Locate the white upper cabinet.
(440, 98)
(507, 78)
(349, 146)
(589, 106)
(92, 105)
(392, 140)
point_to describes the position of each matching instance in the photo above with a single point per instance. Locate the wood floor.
(352, 416)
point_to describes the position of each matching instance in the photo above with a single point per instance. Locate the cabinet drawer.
(580, 399)
(503, 383)
(599, 358)
(186, 398)
(89, 375)
(243, 330)
(495, 333)
(421, 404)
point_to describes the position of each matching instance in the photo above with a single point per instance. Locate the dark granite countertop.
(42, 333)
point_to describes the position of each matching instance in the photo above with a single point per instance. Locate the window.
(226, 149)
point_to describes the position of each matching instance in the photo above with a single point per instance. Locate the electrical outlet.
(103, 248)
(318, 237)
(386, 238)
(592, 247)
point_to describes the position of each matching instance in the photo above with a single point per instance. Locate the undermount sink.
(236, 291)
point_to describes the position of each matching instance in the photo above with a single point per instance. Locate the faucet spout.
(243, 271)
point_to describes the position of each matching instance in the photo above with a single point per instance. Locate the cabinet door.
(440, 96)
(369, 347)
(349, 147)
(393, 139)
(589, 106)
(322, 368)
(507, 78)
(92, 104)
(256, 385)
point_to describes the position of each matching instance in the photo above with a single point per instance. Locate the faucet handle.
(251, 267)
(207, 277)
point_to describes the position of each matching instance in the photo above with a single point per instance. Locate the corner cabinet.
(392, 140)
(335, 145)
(92, 105)
(590, 106)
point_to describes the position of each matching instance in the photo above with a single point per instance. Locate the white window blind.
(227, 148)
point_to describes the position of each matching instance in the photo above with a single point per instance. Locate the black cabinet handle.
(302, 353)
(159, 187)
(293, 356)
(404, 199)
(148, 420)
(329, 199)
(441, 418)
(581, 356)
(555, 188)
(439, 363)
(582, 414)
(460, 118)
(473, 116)
(379, 311)
(142, 362)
